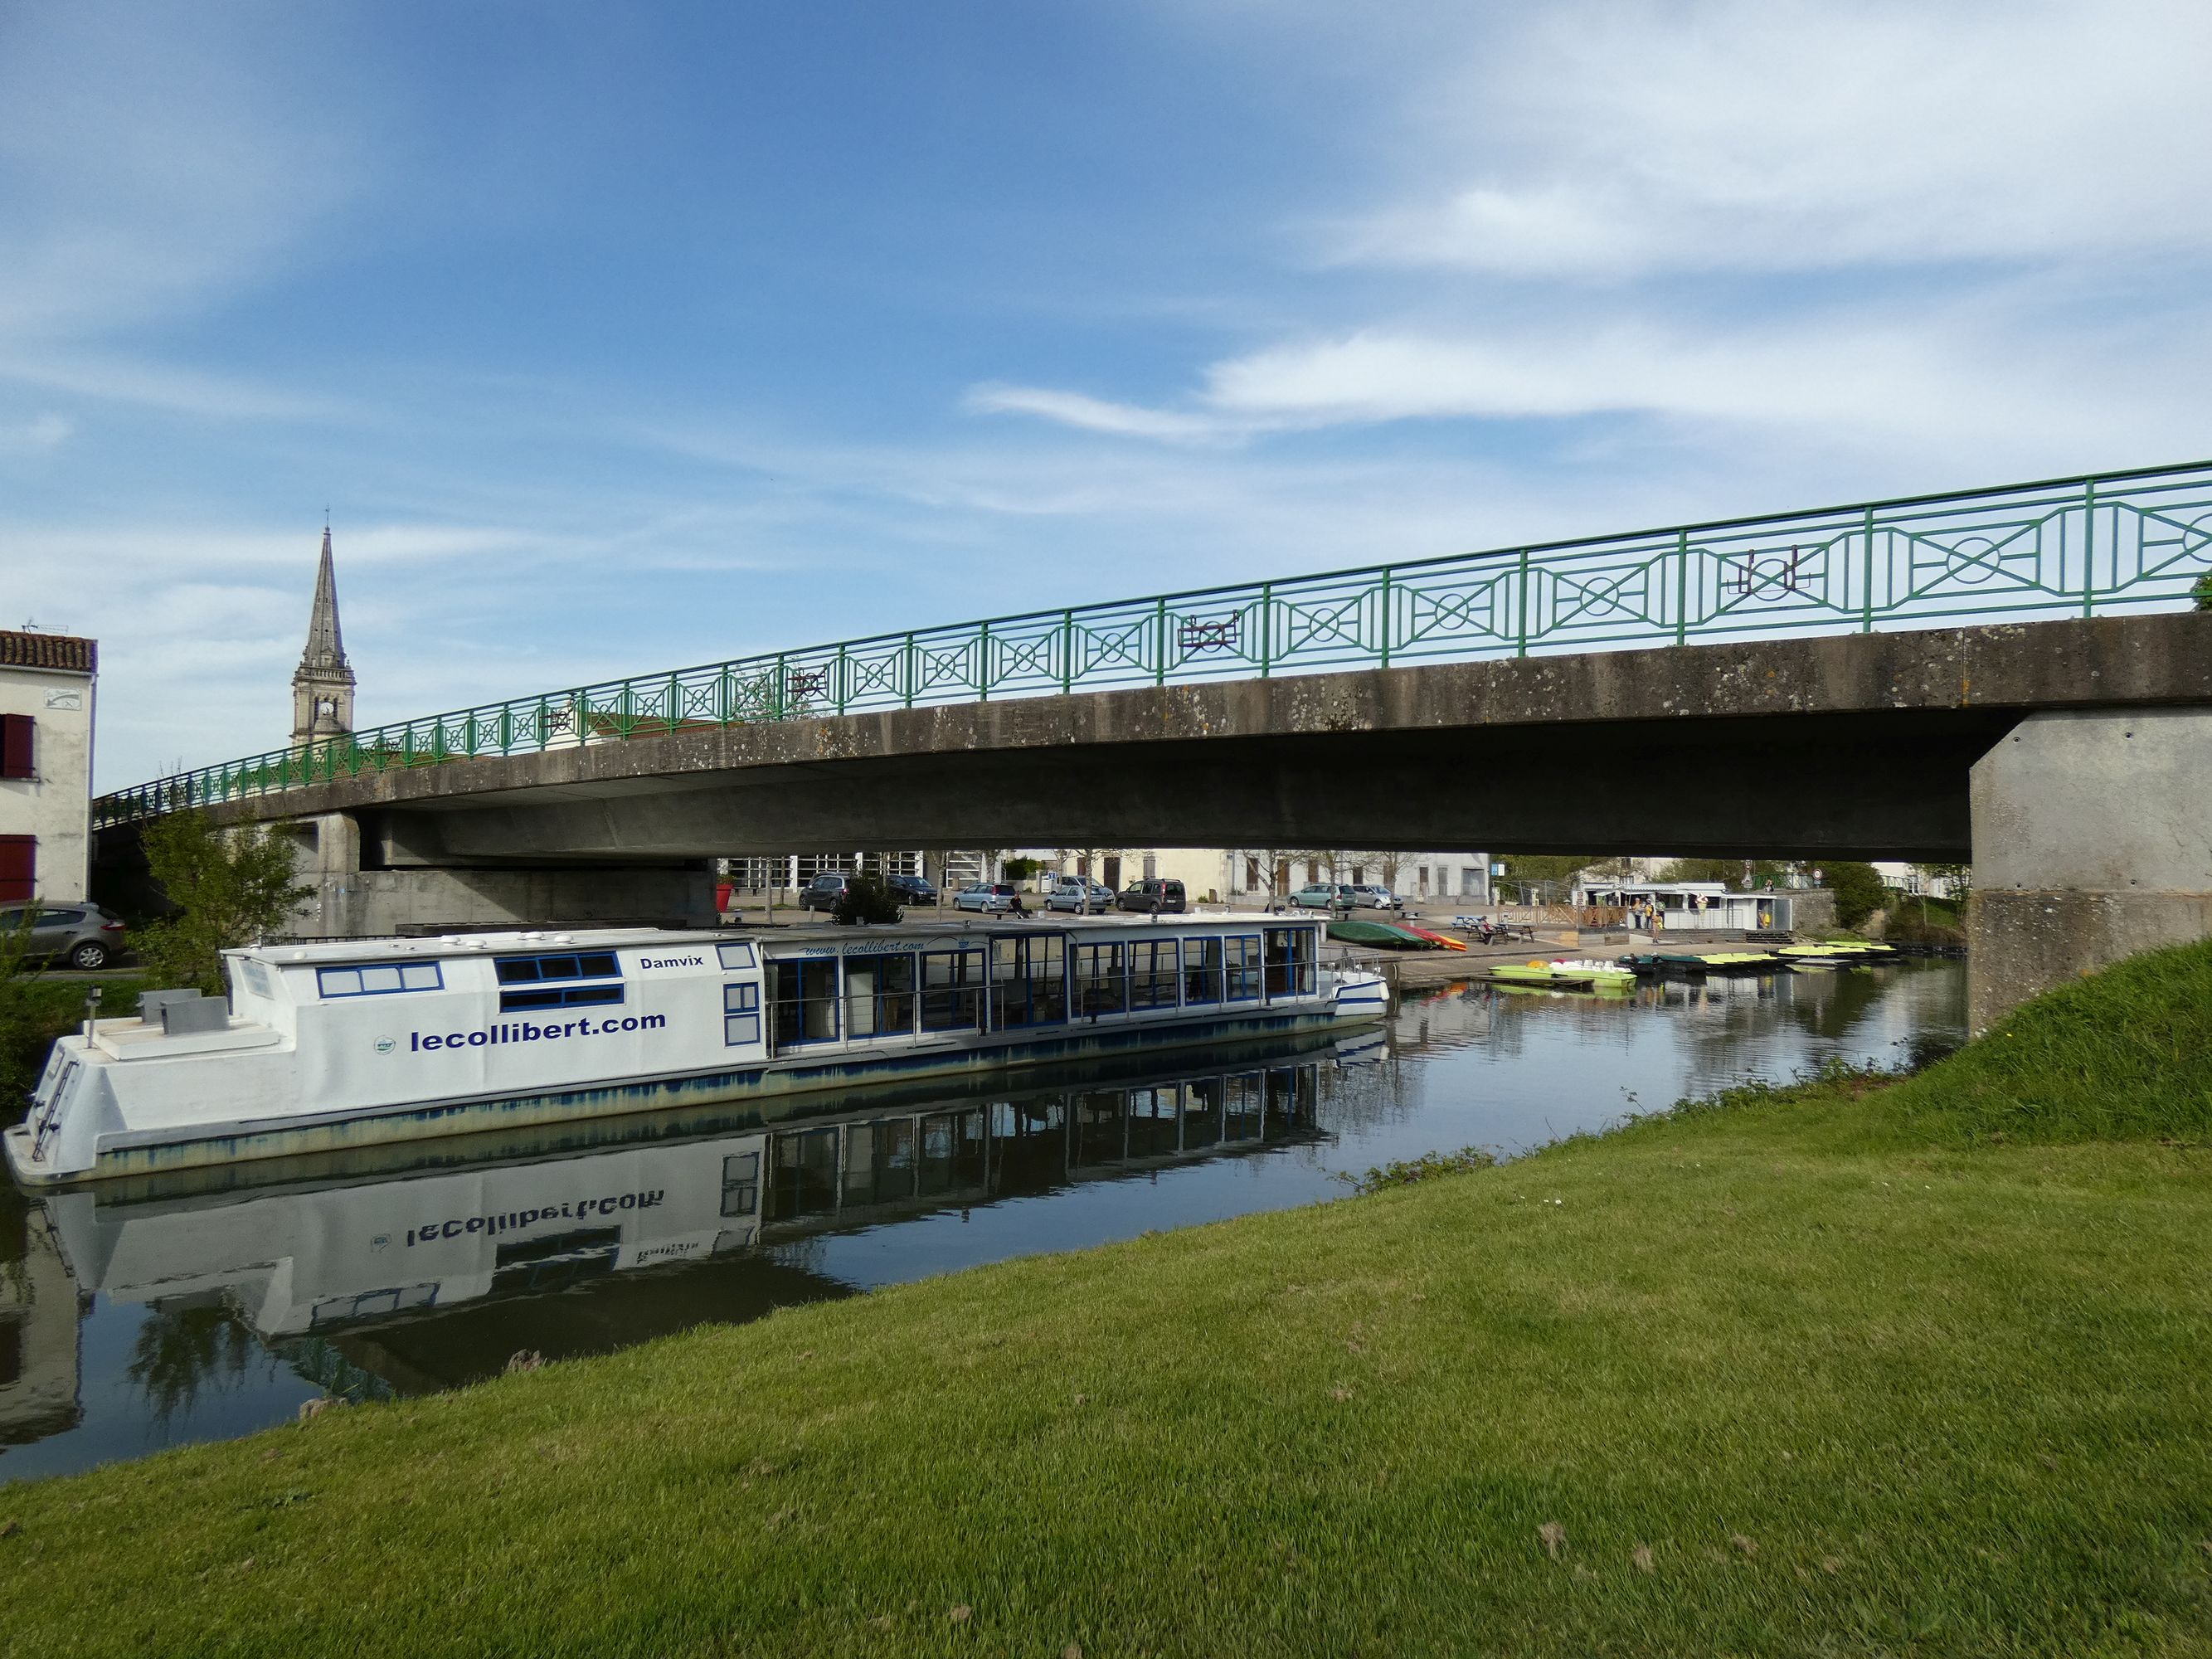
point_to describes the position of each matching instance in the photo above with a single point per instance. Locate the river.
(136, 1319)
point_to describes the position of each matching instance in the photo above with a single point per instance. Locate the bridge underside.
(1892, 786)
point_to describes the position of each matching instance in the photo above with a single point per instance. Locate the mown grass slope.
(1826, 1370)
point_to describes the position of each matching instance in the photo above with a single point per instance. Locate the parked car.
(1085, 898)
(1326, 895)
(911, 890)
(82, 935)
(822, 892)
(991, 898)
(1375, 897)
(1156, 897)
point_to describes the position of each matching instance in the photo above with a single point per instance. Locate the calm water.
(134, 1320)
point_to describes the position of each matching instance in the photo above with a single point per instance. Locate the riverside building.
(46, 685)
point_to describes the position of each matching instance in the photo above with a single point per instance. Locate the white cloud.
(1607, 140)
(1091, 414)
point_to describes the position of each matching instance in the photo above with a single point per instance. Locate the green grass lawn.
(1849, 1369)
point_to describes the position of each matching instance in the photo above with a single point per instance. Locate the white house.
(46, 763)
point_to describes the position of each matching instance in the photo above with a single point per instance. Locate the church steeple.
(322, 685)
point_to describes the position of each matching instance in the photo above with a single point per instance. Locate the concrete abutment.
(2093, 840)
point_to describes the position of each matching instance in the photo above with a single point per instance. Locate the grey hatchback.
(81, 934)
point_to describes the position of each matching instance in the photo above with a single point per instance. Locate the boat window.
(570, 964)
(378, 981)
(952, 990)
(1244, 967)
(740, 954)
(256, 977)
(880, 995)
(740, 1015)
(559, 996)
(802, 999)
(1028, 981)
(1152, 972)
(1290, 962)
(1201, 970)
(1101, 985)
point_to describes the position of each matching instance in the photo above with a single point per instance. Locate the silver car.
(989, 897)
(1375, 896)
(83, 935)
(1085, 898)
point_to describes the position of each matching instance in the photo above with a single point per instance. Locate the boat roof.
(820, 933)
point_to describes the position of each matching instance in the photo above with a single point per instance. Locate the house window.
(740, 1016)
(879, 996)
(1152, 972)
(1100, 985)
(1243, 951)
(952, 990)
(1028, 981)
(15, 747)
(802, 999)
(1201, 970)
(377, 982)
(19, 866)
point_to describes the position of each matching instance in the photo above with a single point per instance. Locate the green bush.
(865, 899)
(1859, 890)
(228, 888)
(2202, 592)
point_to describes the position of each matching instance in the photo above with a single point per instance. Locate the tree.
(2202, 592)
(865, 899)
(229, 887)
(1859, 890)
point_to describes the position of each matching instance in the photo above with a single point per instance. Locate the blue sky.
(624, 338)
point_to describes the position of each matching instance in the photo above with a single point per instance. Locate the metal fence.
(2129, 541)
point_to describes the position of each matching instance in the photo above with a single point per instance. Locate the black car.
(1155, 898)
(822, 892)
(911, 890)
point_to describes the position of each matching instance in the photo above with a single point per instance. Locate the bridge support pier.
(349, 901)
(2092, 842)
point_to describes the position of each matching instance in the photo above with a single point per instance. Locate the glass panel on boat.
(740, 954)
(740, 1013)
(1152, 972)
(559, 996)
(879, 996)
(1244, 967)
(564, 964)
(1101, 980)
(1290, 962)
(952, 990)
(802, 999)
(1028, 981)
(741, 1183)
(1201, 970)
(376, 980)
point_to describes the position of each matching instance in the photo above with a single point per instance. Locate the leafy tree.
(1859, 890)
(2202, 592)
(229, 887)
(865, 899)
(1022, 869)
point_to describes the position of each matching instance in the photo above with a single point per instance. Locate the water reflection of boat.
(426, 1277)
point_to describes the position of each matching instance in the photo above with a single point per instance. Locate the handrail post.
(906, 670)
(1520, 630)
(1066, 652)
(842, 687)
(1681, 586)
(1266, 629)
(983, 662)
(1866, 589)
(1386, 616)
(1160, 642)
(2088, 546)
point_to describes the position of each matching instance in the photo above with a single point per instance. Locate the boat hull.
(202, 1147)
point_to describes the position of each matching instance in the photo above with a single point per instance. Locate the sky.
(620, 338)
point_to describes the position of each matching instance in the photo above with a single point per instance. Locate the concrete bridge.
(1855, 681)
(2070, 760)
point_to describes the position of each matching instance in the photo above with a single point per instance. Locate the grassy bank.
(1848, 1367)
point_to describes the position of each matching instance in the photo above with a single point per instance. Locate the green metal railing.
(2126, 541)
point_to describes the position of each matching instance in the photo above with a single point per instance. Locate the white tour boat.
(325, 1047)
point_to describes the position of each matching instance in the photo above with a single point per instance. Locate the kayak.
(1444, 940)
(1380, 934)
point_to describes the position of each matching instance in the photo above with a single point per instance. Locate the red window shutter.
(19, 866)
(14, 745)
